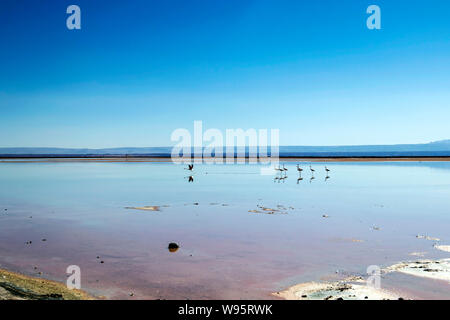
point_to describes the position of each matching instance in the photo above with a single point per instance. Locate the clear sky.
(137, 70)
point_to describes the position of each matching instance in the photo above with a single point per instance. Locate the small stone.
(173, 247)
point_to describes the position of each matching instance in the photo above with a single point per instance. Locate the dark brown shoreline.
(17, 286)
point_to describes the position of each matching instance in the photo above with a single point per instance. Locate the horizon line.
(225, 146)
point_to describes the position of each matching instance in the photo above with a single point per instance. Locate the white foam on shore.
(433, 269)
(354, 288)
(443, 247)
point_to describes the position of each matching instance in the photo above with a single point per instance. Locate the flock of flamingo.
(279, 169)
(299, 170)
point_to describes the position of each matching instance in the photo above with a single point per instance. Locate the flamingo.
(284, 169)
(327, 170)
(190, 167)
(299, 169)
(279, 169)
(312, 170)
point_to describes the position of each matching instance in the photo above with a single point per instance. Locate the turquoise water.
(225, 250)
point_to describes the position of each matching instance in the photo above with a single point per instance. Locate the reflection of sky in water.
(81, 205)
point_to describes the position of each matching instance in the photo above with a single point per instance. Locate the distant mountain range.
(437, 148)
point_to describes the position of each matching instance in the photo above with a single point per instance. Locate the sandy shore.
(14, 286)
(353, 288)
(431, 269)
(356, 288)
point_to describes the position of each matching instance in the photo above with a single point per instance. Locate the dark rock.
(173, 247)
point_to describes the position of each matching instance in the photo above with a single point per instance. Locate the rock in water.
(173, 247)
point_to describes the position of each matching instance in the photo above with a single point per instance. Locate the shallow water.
(226, 251)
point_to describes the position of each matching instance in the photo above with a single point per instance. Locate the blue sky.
(137, 70)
